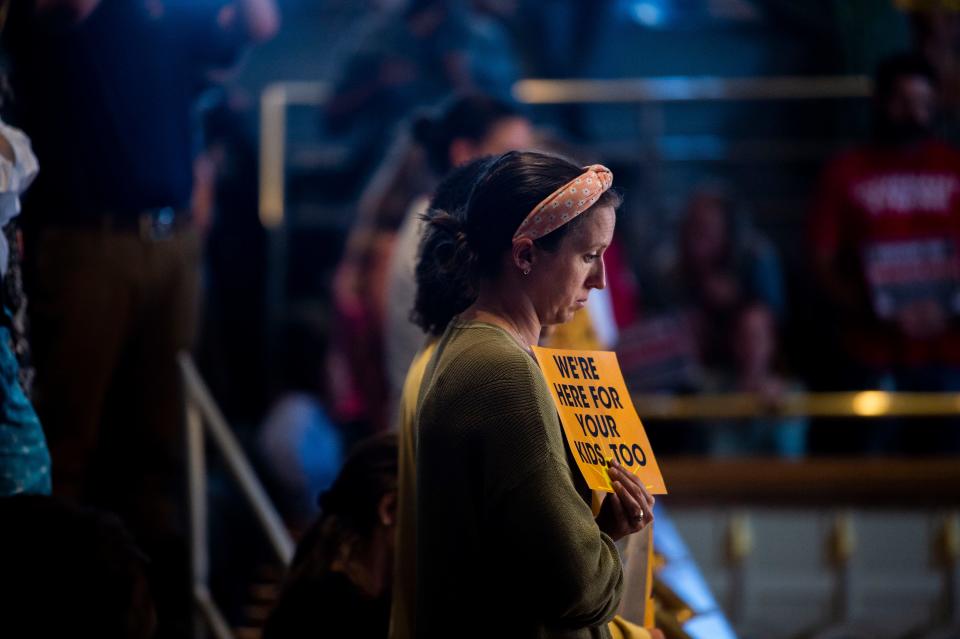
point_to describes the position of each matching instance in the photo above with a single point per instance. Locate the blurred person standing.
(442, 293)
(416, 57)
(466, 128)
(885, 232)
(24, 458)
(494, 489)
(372, 303)
(408, 58)
(492, 58)
(105, 88)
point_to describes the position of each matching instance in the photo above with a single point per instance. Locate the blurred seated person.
(755, 349)
(885, 249)
(718, 263)
(692, 294)
(339, 584)
(298, 442)
(70, 571)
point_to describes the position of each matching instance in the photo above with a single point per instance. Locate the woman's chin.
(562, 317)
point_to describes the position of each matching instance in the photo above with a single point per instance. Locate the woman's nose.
(598, 276)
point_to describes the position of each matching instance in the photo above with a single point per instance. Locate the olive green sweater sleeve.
(538, 512)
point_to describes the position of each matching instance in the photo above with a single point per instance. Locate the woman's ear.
(387, 510)
(522, 255)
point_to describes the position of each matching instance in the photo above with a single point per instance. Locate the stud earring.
(526, 271)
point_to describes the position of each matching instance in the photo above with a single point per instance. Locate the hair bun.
(448, 224)
(447, 228)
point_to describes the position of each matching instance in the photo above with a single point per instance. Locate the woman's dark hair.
(443, 292)
(349, 509)
(469, 117)
(507, 189)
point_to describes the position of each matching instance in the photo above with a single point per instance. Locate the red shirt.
(889, 220)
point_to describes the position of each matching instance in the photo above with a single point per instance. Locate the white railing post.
(202, 415)
(197, 502)
(236, 461)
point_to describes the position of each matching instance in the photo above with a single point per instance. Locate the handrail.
(204, 417)
(273, 141)
(277, 96)
(859, 404)
(911, 482)
(237, 462)
(691, 89)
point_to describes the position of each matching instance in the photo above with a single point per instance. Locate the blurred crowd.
(138, 231)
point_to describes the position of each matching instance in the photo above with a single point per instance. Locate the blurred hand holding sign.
(598, 416)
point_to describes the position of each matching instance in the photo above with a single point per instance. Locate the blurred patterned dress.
(24, 458)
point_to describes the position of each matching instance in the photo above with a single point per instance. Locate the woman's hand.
(629, 509)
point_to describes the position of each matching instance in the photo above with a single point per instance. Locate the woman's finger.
(617, 511)
(635, 484)
(633, 510)
(634, 479)
(615, 504)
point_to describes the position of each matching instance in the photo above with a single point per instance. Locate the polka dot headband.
(566, 203)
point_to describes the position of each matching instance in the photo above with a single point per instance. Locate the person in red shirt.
(886, 247)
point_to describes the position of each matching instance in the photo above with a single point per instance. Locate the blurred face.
(509, 134)
(909, 111)
(706, 231)
(561, 281)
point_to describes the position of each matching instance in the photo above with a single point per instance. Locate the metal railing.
(691, 89)
(274, 102)
(279, 96)
(867, 403)
(203, 418)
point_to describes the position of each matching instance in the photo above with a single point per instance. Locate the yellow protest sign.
(598, 416)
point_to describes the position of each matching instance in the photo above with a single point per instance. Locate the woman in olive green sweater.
(507, 544)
